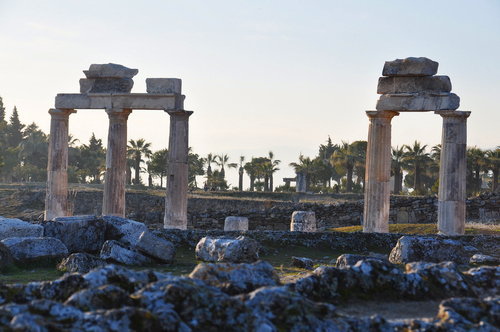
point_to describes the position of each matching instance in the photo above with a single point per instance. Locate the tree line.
(416, 166)
(336, 168)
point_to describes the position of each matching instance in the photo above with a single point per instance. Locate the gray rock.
(413, 84)
(236, 278)
(163, 85)
(429, 249)
(418, 102)
(103, 297)
(239, 250)
(469, 314)
(80, 262)
(233, 223)
(33, 249)
(79, 233)
(152, 245)
(444, 277)
(109, 70)
(484, 280)
(303, 221)
(302, 262)
(123, 319)
(124, 230)
(484, 259)
(6, 258)
(410, 67)
(127, 279)
(346, 260)
(115, 251)
(106, 85)
(18, 228)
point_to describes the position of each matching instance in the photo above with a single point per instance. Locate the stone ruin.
(410, 85)
(108, 86)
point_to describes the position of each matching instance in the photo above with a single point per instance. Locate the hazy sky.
(259, 75)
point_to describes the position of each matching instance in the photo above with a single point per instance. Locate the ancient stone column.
(116, 163)
(452, 173)
(177, 173)
(56, 198)
(378, 172)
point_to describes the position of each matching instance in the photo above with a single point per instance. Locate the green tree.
(325, 154)
(222, 160)
(14, 129)
(397, 166)
(92, 160)
(272, 167)
(33, 152)
(493, 165)
(136, 150)
(306, 167)
(195, 167)
(158, 165)
(415, 159)
(476, 163)
(344, 160)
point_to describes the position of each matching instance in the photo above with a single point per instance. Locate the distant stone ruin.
(410, 85)
(108, 86)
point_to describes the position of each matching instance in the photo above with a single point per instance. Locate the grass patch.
(421, 229)
(25, 275)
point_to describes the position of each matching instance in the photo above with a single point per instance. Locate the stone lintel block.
(163, 85)
(396, 84)
(233, 223)
(418, 102)
(106, 85)
(410, 67)
(110, 70)
(109, 100)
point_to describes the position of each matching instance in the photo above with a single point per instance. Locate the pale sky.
(259, 75)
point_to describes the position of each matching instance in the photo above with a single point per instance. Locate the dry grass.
(470, 228)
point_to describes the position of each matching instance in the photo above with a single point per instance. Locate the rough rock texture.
(80, 262)
(18, 228)
(302, 262)
(484, 259)
(413, 84)
(414, 102)
(35, 249)
(484, 280)
(113, 298)
(157, 247)
(346, 260)
(236, 278)
(418, 248)
(303, 221)
(79, 233)
(109, 70)
(163, 85)
(233, 223)
(239, 250)
(124, 230)
(106, 85)
(6, 258)
(114, 251)
(410, 67)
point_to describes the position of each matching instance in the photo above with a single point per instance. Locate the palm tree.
(493, 164)
(251, 170)
(476, 163)
(344, 159)
(305, 166)
(136, 150)
(272, 167)
(415, 158)
(240, 173)
(222, 160)
(397, 165)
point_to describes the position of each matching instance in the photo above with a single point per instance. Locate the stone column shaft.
(177, 173)
(116, 163)
(452, 173)
(378, 172)
(56, 198)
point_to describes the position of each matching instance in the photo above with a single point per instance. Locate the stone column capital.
(180, 113)
(122, 113)
(381, 114)
(453, 114)
(61, 113)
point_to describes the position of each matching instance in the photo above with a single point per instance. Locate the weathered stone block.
(32, 249)
(233, 223)
(18, 228)
(413, 84)
(418, 102)
(6, 258)
(302, 262)
(109, 70)
(124, 230)
(80, 262)
(410, 67)
(239, 250)
(303, 221)
(163, 85)
(106, 85)
(156, 247)
(116, 252)
(78, 233)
